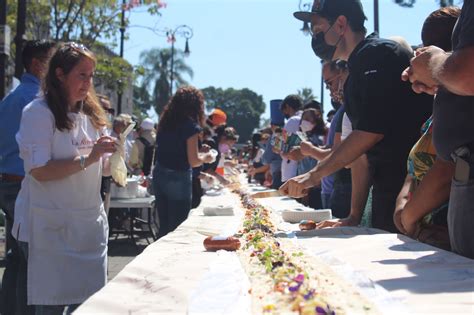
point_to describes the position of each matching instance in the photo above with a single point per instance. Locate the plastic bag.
(117, 161)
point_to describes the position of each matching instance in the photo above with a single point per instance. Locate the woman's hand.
(210, 179)
(205, 148)
(104, 144)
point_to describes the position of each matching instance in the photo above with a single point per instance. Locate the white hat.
(147, 124)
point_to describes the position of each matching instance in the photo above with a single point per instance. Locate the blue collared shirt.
(327, 182)
(270, 157)
(11, 108)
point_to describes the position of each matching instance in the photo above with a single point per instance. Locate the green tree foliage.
(66, 20)
(306, 95)
(157, 74)
(112, 71)
(84, 21)
(243, 108)
(141, 98)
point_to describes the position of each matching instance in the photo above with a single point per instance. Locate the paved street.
(121, 252)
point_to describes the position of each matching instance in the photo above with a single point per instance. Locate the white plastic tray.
(295, 216)
(218, 210)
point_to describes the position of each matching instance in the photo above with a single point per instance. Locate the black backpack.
(148, 157)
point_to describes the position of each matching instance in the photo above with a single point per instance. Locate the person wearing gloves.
(143, 149)
(60, 221)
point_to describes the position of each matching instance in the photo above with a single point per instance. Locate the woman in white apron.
(61, 216)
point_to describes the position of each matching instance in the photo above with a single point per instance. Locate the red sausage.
(214, 243)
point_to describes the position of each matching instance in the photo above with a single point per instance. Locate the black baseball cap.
(332, 9)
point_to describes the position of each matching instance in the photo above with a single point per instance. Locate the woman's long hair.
(319, 127)
(186, 103)
(66, 57)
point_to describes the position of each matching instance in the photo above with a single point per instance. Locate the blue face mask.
(261, 144)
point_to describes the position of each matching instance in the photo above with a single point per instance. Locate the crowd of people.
(397, 144)
(57, 138)
(402, 107)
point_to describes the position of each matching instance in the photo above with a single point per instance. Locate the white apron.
(67, 260)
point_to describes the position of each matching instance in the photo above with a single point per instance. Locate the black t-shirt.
(453, 115)
(378, 101)
(171, 146)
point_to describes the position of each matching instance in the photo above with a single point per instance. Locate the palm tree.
(157, 64)
(306, 95)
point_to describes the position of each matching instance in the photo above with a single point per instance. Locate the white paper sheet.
(223, 289)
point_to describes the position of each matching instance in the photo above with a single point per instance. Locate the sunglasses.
(76, 46)
(110, 110)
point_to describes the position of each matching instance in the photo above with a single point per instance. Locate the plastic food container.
(295, 216)
(127, 192)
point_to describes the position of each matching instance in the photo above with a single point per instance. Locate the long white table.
(423, 279)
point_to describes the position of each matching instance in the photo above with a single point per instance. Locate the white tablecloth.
(423, 279)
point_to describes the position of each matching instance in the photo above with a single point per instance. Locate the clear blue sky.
(257, 44)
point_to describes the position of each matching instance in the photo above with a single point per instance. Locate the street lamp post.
(183, 31)
(305, 7)
(122, 40)
(306, 31)
(376, 16)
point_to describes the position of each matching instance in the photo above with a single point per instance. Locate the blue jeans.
(341, 199)
(276, 180)
(173, 193)
(13, 295)
(326, 200)
(461, 216)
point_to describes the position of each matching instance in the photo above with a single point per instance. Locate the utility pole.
(19, 38)
(376, 16)
(122, 40)
(183, 31)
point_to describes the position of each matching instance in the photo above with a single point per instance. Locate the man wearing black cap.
(385, 113)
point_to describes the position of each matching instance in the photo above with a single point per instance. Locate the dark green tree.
(84, 21)
(306, 94)
(141, 98)
(157, 74)
(243, 108)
